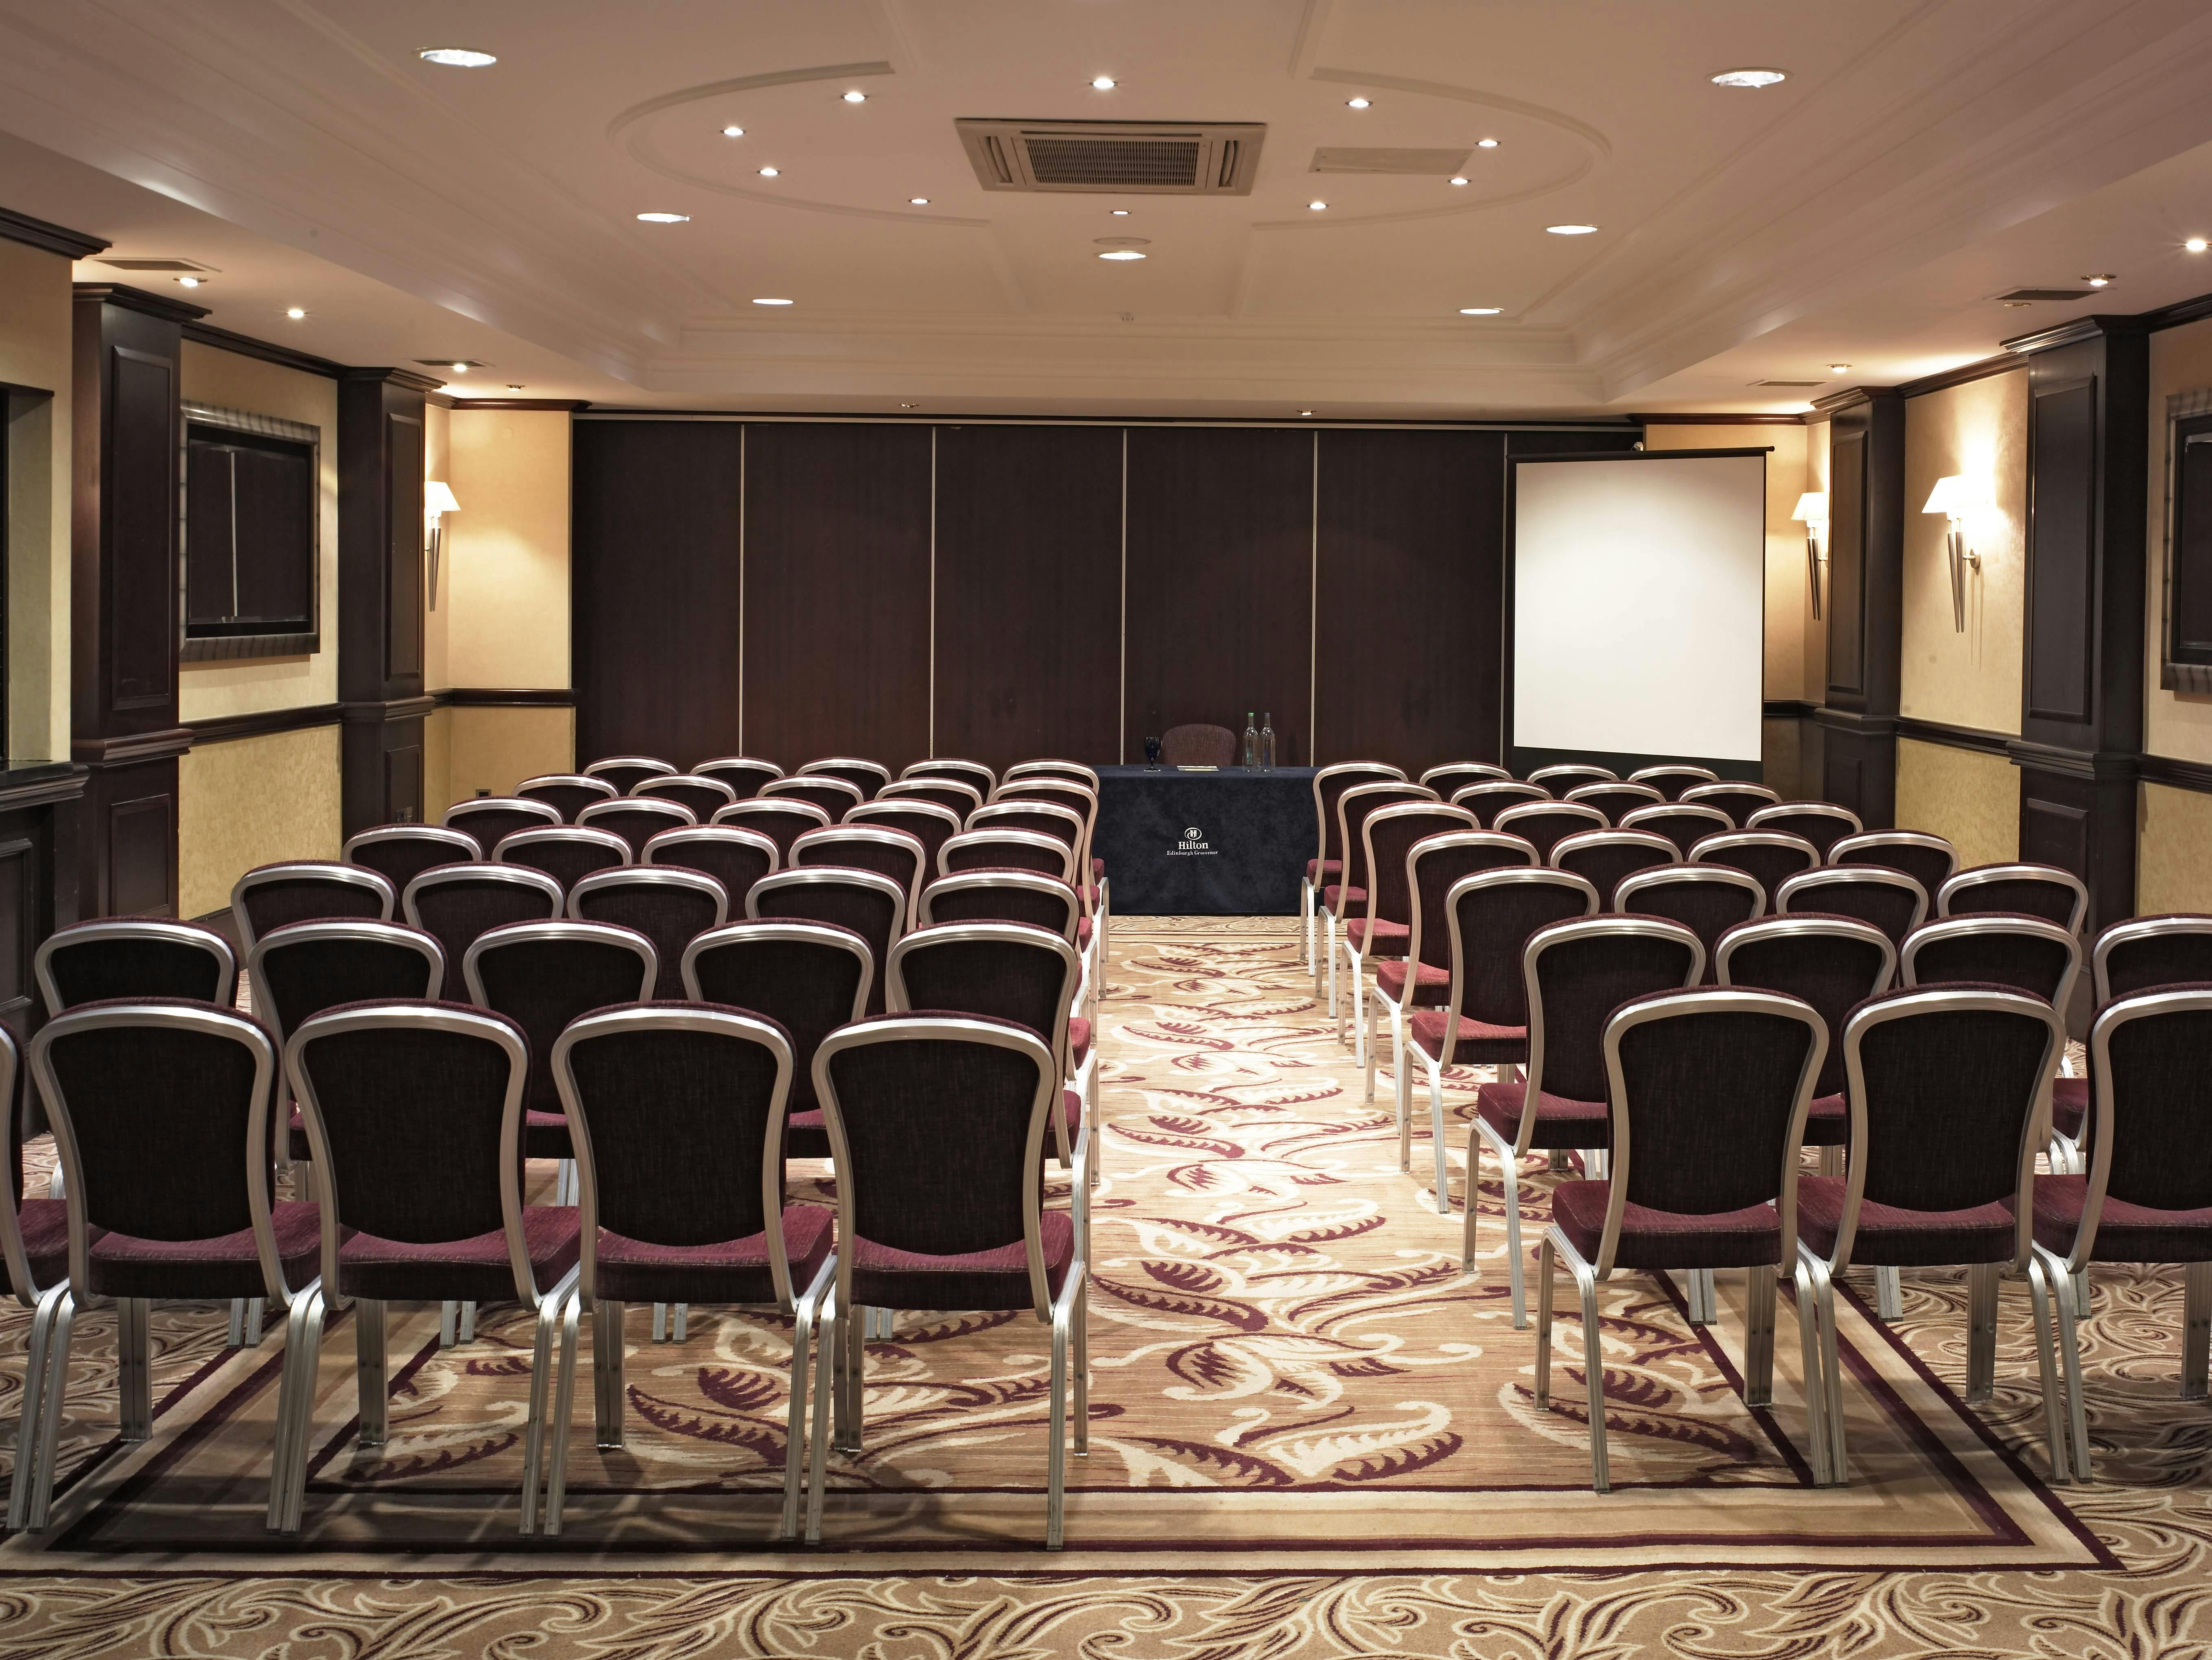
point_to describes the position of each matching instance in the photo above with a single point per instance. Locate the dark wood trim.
(1955, 738)
(373, 712)
(1769, 420)
(786, 418)
(241, 648)
(571, 405)
(264, 723)
(38, 786)
(129, 750)
(1943, 380)
(500, 698)
(125, 298)
(52, 238)
(439, 400)
(2174, 773)
(405, 380)
(2096, 323)
(2099, 764)
(206, 334)
(1788, 709)
(1850, 397)
(2195, 310)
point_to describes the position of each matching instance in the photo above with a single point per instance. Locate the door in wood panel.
(1220, 581)
(1029, 593)
(1409, 544)
(836, 624)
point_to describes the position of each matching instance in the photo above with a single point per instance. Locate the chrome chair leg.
(134, 1368)
(807, 1317)
(1889, 1296)
(1704, 1300)
(564, 1403)
(1981, 1333)
(295, 1406)
(47, 1452)
(1306, 923)
(660, 1323)
(2045, 1291)
(1758, 1339)
(609, 1397)
(1808, 1358)
(818, 1450)
(1082, 1341)
(30, 1423)
(369, 1370)
(552, 1309)
(468, 1333)
(1515, 1270)
(681, 1323)
(2196, 1329)
(449, 1324)
(1593, 1351)
(1443, 1165)
(1832, 1381)
(1546, 1271)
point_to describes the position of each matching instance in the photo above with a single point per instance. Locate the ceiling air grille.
(1132, 158)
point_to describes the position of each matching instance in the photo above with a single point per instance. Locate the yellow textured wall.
(34, 352)
(1972, 798)
(2173, 868)
(508, 569)
(1972, 679)
(495, 749)
(252, 801)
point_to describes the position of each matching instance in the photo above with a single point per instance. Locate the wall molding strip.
(52, 238)
(1956, 738)
(206, 334)
(2174, 773)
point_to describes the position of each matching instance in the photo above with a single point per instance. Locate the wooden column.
(1857, 719)
(2082, 682)
(123, 596)
(380, 596)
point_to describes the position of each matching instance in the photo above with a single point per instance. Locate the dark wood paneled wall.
(1866, 602)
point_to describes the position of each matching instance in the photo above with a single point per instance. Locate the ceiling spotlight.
(917, 201)
(1486, 144)
(1572, 230)
(1839, 368)
(1101, 83)
(515, 385)
(1480, 311)
(1316, 206)
(770, 302)
(771, 173)
(461, 368)
(457, 57)
(665, 218)
(733, 132)
(295, 312)
(856, 98)
(2196, 245)
(1305, 411)
(1355, 103)
(1119, 213)
(1120, 253)
(1750, 78)
(2098, 279)
(188, 282)
(906, 406)
(2016, 305)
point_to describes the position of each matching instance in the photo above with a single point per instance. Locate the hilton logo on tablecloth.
(1193, 845)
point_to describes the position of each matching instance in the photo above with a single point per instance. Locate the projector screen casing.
(1638, 606)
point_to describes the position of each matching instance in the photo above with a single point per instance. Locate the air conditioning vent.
(1793, 386)
(1128, 158)
(2023, 296)
(1338, 158)
(188, 267)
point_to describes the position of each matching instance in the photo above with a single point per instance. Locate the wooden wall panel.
(1029, 593)
(1411, 541)
(837, 606)
(1220, 581)
(656, 588)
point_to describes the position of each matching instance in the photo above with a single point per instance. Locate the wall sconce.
(1812, 512)
(437, 500)
(1955, 497)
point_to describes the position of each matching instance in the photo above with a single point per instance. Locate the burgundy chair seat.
(459, 1270)
(2069, 1106)
(1317, 868)
(1357, 895)
(1745, 1238)
(1888, 1237)
(1560, 1123)
(1828, 1121)
(725, 1271)
(2126, 1233)
(226, 1266)
(1079, 1038)
(1391, 938)
(44, 1224)
(545, 1135)
(1098, 870)
(1082, 933)
(885, 1278)
(1480, 1044)
(1431, 989)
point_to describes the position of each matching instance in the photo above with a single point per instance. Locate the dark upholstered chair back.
(957, 795)
(1685, 823)
(872, 906)
(1991, 948)
(1545, 825)
(742, 773)
(1005, 970)
(2147, 1053)
(808, 977)
(1080, 798)
(1352, 808)
(625, 772)
(2044, 890)
(1707, 899)
(1391, 833)
(492, 818)
(1671, 778)
(303, 891)
(1571, 775)
(566, 853)
(1064, 824)
(1770, 858)
(2174, 949)
(1575, 974)
(1602, 857)
(668, 904)
(457, 902)
(1891, 900)
(400, 852)
(736, 858)
(1737, 801)
(300, 970)
(1486, 800)
(542, 975)
(1003, 896)
(974, 773)
(1821, 823)
(140, 956)
(1329, 785)
(929, 824)
(865, 776)
(1616, 800)
(1489, 917)
(567, 793)
(1046, 767)
(833, 796)
(1832, 963)
(705, 796)
(783, 822)
(637, 820)
(1927, 859)
(1456, 775)
(877, 847)
(1437, 864)
(1198, 745)
(1007, 849)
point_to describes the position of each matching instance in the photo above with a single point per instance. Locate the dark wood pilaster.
(1858, 717)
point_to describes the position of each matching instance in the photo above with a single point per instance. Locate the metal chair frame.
(132, 928)
(881, 836)
(1309, 887)
(567, 781)
(1588, 771)
(1807, 885)
(1674, 770)
(961, 772)
(1334, 917)
(467, 850)
(477, 804)
(746, 767)
(1356, 957)
(334, 871)
(1036, 839)
(1966, 881)
(1867, 841)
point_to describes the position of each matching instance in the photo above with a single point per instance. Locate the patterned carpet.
(1310, 1435)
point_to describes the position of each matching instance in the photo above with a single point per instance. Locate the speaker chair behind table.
(1347, 896)
(1736, 800)
(1602, 857)
(677, 1116)
(1571, 775)
(938, 1127)
(735, 858)
(1456, 775)
(454, 903)
(1821, 823)
(566, 853)
(303, 891)
(782, 821)
(1927, 859)
(879, 847)
(974, 773)
(1685, 823)
(624, 772)
(491, 817)
(637, 820)
(161, 1116)
(745, 775)
(1007, 849)
(1946, 1087)
(567, 793)
(2056, 895)
(705, 796)
(1198, 745)
(956, 795)
(1707, 899)
(1889, 899)
(1768, 857)
(925, 821)
(1486, 801)
(1671, 778)
(1706, 1097)
(414, 1113)
(872, 906)
(1382, 926)
(34, 1252)
(1546, 824)
(1327, 863)
(668, 904)
(865, 776)
(400, 852)
(834, 796)
(1615, 800)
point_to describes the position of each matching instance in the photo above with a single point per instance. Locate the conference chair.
(567, 793)
(1889, 899)
(1546, 824)
(1698, 1178)
(415, 1114)
(2138, 1202)
(955, 796)
(1350, 890)
(1456, 775)
(1004, 896)
(1568, 775)
(1575, 973)
(136, 957)
(783, 822)
(1079, 798)
(625, 772)
(400, 852)
(2143, 952)
(865, 776)
(638, 818)
(1043, 817)
(1821, 823)
(974, 773)
(871, 905)
(455, 903)
(1736, 800)
(1329, 783)
(677, 1116)
(1007, 849)
(705, 796)
(1198, 743)
(2055, 895)
(1602, 857)
(1384, 927)
(879, 847)
(1486, 801)
(743, 774)
(1929, 860)
(1483, 1019)
(834, 796)
(925, 821)
(303, 890)
(1671, 778)
(1706, 899)
(917, 1107)
(34, 1254)
(669, 904)
(1945, 1087)
(1768, 857)
(1615, 800)
(735, 858)
(491, 817)
(1685, 823)
(567, 853)
(160, 1108)
(1052, 769)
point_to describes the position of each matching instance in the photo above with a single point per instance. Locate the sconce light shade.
(438, 498)
(1812, 508)
(1957, 496)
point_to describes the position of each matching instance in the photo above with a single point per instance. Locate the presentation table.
(1229, 842)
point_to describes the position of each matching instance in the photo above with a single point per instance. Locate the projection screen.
(1639, 603)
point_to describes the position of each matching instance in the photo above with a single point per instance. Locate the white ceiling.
(1923, 155)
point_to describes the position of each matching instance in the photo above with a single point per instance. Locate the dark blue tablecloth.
(1227, 843)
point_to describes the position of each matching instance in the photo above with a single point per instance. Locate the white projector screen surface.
(1639, 604)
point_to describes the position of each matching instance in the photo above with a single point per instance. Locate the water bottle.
(1268, 743)
(1251, 742)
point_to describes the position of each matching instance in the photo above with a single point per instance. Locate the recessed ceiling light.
(766, 300)
(1486, 144)
(1305, 411)
(1356, 103)
(1750, 78)
(1119, 213)
(665, 218)
(771, 173)
(515, 385)
(906, 406)
(1101, 83)
(917, 201)
(1459, 181)
(188, 282)
(1480, 311)
(1316, 206)
(1120, 253)
(295, 312)
(2016, 305)
(856, 98)
(2098, 279)
(733, 132)
(461, 368)
(1572, 230)
(1839, 368)
(2196, 245)
(457, 57)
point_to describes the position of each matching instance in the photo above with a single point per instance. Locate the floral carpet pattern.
(1311, 1434)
